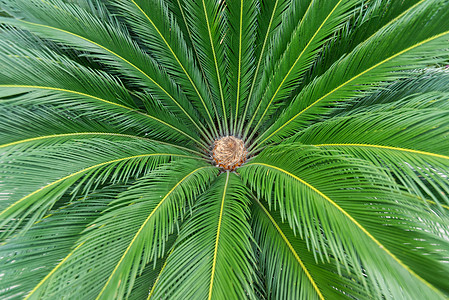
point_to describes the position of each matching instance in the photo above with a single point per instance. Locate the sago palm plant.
(224, 149)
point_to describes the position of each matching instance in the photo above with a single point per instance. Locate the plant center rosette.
(229, 153)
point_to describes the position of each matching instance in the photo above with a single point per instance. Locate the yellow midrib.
(93, 133)
(381, 246)
(240, 66)
(390, 148)
(355, 77)
(295, 254)
(176, 58)
(52, 272)
(218, 237)
(143, 225)
(67, 135)
(121, 58)
(87, 169)
(100, 99)
(216, 63)
(257, 68)
(200, 67)
(159, 275)
(383, 147)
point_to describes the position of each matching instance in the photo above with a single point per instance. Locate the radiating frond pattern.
(118, 179)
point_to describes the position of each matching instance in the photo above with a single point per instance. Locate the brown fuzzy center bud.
(229, 152)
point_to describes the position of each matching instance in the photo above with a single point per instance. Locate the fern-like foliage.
(112, 113)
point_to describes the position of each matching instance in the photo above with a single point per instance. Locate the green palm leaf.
(211, 149)
(141, 221)
(420, 50)
(215, 230)
(335, 211)
(291, 270)
(64, 162)
(156, 29)
(319, 21)
(75, 81)
(110, 41)
(48, 247)
(207, 23)
(381, 140)
(157, 225)
(269, 20)
(242, 15)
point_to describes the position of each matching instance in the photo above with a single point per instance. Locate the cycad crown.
(232, 149)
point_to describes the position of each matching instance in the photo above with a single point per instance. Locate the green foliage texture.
(109, 110)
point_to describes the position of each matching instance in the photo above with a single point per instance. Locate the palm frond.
(158, 31)
(20, 125)
(39, 250)
(296, 180)
(179, 12)
(365, 22)
(430, 80)
(380, 59)
(108, 41)
(320, 21)
(219, 233)
(207, 24)
(125, 247)
(268, 19)
(56, 77)
(49, 167)
(242, 34)
(291, 271)
(164, 205)
(405, 142)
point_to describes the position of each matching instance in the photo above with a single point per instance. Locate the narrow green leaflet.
(37, 252)
(224, 149)
(405, 144)
(379, 59)
(290, 267)
(219, 233)
(346, 219)
(50, 167)
(130, 234)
